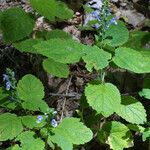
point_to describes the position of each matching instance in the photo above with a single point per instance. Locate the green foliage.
(116, 35)
(3, 94)
(31, 122)
(29, 141)
(10, 126)
(56, 68)
(70, 131)
(127, 58)
(96, 58)
(145, 93)
(132, 110)
(146, 134)
(104, 98)
(15, 147)
(137, 40)
(136, 128)
(61, 50)
(57, 34)
(5, 101)
(16, 24)
(27, 45)
(33, 95)
(117, 135)
(51, 9)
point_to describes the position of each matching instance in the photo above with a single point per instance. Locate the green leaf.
(145, 93)
(3, 94)
(138, 39)
(51, 9)
(29, 142)
(138, 62)
(62, 11)
(104, 98)
(55, 68)
(31, 122)
(61, 50)
(61, 141)
(15, 147)
(30, 88)
(36, 106)
(117, 135)
(10, 126)
(96, 58)
(146, 134)
(136, 128)
(31, 91)
(5, 100)
(47, 8)
(116, 35)
(58, 34)
(27, 45)
(70, 131)
(132, 110)
(16, 24)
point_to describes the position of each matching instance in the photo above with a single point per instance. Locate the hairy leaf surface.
(117, 135)
(31, 91)
(104, 98)
(55, 68)
(132, 110)
(96, 58)
(51, 9)
(116, 35)
(31, 122)
(27, 45)
(136, 61)
(70, 131)
(29, 141)
(61, 50)
(16, 24)
(10, 126)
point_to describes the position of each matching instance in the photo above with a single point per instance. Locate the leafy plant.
(29, 123)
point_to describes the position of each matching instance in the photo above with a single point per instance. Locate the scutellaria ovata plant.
(29, 123)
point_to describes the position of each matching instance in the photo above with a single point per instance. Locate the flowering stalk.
(102, 15)
(104, 18)
(10, 84)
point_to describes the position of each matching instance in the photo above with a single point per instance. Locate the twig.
(64, 102)
(76, 95)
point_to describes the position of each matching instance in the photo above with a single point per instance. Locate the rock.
(134, 18)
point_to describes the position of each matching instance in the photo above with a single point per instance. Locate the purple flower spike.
(54, 123)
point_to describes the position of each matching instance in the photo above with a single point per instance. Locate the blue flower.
(96, 15)
(113, 21)
(5, 77)
(54, 123)
(8, 85)
(39, 119)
